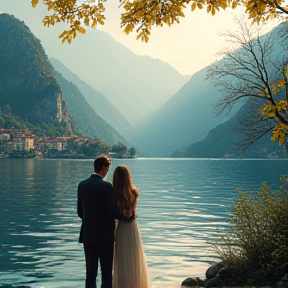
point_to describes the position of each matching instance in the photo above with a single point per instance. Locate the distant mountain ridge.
(27, 83)
(188, 116)
(38, 94)
(103, 107)
(88, 121)
(135, 85)
(222, 142)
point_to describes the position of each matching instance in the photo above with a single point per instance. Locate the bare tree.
(252, 68)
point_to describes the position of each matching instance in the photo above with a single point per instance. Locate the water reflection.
(39, 217)
(182, 206)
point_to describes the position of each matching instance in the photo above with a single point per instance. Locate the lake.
(183, 205)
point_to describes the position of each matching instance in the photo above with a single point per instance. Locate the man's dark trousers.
(105, 255)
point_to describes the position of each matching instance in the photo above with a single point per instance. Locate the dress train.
(130, 267)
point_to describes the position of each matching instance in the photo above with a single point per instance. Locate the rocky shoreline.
(217, 275)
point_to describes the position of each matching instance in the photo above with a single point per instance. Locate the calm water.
(183, 204)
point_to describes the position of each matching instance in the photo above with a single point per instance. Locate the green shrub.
(255, 246)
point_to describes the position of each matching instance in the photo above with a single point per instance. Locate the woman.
(130, 268)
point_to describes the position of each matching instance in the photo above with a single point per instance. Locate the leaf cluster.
(75, 13)
(141, 15)
(264, 10)
(254, 247)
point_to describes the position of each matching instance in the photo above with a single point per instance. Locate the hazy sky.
(188, 46)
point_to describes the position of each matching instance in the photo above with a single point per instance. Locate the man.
(98, 210)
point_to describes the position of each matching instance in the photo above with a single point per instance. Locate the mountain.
(223, 140)
(40, 96)
(97, 101)
(135, 85)
(88, 121)
(27, 84)
(189, 115)
(186, 118)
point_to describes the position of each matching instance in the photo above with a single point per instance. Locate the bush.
(255, 246)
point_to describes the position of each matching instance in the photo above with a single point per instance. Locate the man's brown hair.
(100, 162)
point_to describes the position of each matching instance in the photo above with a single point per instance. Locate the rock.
(224, 273)
(190, 282)
(201, 283)
(213, 270)
(214, 282)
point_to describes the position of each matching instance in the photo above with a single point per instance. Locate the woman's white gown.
(130, 267)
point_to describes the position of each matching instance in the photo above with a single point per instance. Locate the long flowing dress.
(130, 267)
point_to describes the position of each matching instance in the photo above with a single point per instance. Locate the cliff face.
(27, 84)
(88, 121)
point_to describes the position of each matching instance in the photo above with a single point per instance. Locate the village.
(21, 143)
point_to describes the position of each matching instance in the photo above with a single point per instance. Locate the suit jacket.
(98, 210)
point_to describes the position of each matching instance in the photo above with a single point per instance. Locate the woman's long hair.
(124, 193)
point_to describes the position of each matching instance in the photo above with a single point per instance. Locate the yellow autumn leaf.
(100, 21)
(209, 8)
(281, 105)
(193, 6)
(81, 30)
(270, 115)
(262, 94)
(213, 11)
(146, 38)
(282, 138)
(34, 3)
(94, 23)
(279, 132)
(281, 83)
(234, 4)
(199, 5)
(86, 21)
(282, 102)
(62, 34)
(159, 6)
(64, 39)
(221, 4)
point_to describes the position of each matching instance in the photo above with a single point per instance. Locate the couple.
(99, 204)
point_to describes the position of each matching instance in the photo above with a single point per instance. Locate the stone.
(224, 273)
(213, 270)
(190, 282)
(201, 283)
(214, 282)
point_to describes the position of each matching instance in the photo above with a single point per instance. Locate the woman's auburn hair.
(125, 194)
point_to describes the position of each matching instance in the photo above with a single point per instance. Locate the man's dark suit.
(97, 209)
